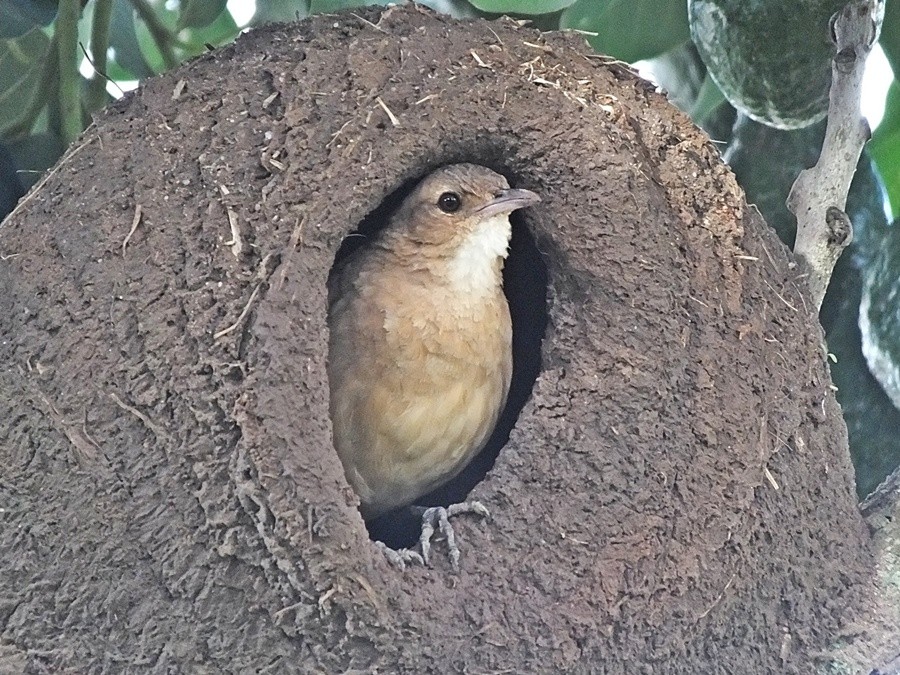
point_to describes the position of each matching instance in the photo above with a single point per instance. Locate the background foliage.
(60, 59)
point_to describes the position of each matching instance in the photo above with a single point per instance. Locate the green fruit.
(771, 58)
(879, 317)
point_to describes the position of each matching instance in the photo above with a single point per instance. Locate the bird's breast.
(419, 374)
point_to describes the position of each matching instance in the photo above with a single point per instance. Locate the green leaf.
(630, 30)
(11, 187)
(21, 62)
(885, 146)
(289, 10)
(35, 154)
(84, 27)
(149, 48)
(159, 56)
(117, 73)
(199, 13)
(521, 6)
(17, 17)
(459, 9)
(221, 31)
(331, 6)
(124, 42)
(680, 73)
(890, 35)
(269, 11)
(709, 98)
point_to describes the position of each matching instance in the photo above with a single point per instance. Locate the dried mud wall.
(676, 495)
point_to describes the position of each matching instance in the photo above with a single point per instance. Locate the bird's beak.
(507, 201)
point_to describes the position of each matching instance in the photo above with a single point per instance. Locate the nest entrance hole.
(525, 285)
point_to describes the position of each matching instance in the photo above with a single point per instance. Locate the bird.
(420, 344)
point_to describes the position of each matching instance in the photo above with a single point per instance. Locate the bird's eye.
(449, 202)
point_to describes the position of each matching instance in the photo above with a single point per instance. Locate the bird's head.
(460, 205)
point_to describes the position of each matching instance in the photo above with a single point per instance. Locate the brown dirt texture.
(676, 494)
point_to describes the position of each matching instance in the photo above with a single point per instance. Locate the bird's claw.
(438, 517)
(399, 557)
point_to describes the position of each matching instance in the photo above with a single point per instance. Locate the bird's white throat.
(474, 267)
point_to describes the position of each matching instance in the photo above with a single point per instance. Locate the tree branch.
(819, 195)
(872, 643)
(69, 78)
(47, 82)
(161, 35)
(99, 44)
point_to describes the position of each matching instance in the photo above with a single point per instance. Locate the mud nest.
(675, 495)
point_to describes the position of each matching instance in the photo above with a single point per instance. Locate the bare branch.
(819, 195)
(871, 643)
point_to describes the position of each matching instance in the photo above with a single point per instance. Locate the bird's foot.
(399, 558)
(438, 517)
